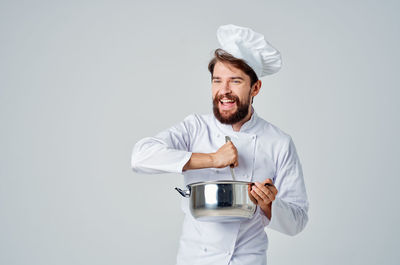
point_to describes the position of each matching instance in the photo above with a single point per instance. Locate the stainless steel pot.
(219, 201)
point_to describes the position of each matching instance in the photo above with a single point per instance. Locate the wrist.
(213, 159)
(267, 210)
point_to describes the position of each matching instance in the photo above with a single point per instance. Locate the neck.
(236, 126)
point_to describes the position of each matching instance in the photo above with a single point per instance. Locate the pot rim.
(219, 182)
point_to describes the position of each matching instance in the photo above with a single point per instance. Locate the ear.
(256, 88)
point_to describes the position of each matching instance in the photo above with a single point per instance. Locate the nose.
(225, 88)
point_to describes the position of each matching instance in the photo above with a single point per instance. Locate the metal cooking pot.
(219, 201)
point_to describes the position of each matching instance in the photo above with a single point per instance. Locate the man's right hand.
(225, 156)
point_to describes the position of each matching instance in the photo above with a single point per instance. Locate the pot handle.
(184, 193)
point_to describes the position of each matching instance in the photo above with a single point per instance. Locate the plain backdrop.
(82, 81)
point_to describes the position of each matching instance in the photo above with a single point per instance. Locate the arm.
(167, 152)
(226, 155)
(289, 209)
(170, 151)
(199, 160)
(286, 210)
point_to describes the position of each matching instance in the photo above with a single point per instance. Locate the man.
(259, 151)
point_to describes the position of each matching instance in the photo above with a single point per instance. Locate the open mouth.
(227, 104)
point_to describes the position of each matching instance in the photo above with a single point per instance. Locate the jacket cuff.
(184, 160)
(287, 218)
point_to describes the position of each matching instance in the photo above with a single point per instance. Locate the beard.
(240, 113)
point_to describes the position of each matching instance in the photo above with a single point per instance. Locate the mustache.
(227, 96)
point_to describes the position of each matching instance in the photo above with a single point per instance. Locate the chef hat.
(244, 43)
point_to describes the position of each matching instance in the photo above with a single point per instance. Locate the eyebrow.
(233, 77)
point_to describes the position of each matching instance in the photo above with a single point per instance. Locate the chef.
(259, 152)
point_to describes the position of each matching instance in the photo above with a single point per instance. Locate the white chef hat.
(243, 43)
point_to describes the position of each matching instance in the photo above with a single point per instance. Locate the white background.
(82, 81)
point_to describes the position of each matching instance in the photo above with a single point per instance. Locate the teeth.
(227, 100)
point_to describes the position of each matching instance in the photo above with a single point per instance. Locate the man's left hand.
(263, 194)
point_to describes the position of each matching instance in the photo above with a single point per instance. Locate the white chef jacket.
(264, 152)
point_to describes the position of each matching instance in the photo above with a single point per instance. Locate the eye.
(216, 81)
(236, 81)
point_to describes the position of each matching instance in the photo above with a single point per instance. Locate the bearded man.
(260, 153)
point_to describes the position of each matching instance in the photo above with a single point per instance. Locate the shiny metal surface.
(219, 201)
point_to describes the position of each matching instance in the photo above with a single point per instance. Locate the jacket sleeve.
(167, 152)
(289, 213)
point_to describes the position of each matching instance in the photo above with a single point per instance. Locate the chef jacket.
(264, 152)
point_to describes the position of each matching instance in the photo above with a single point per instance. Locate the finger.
(270, 194)
(264, 194)
(261, 194)
(234, 163)
(232, 148)
(251, 196)
(273, 190)
(266, 191)
(255, 195)
(262, 187)
(270, 185)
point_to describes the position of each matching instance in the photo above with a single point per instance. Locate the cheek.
(239, 93)
(244, 95)
(214, 92)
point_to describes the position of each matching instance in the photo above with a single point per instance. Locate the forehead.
(225, 70)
